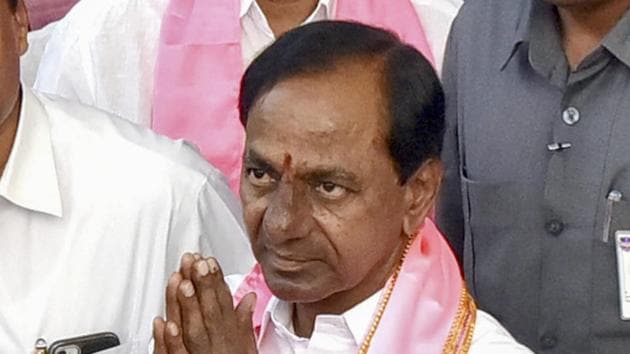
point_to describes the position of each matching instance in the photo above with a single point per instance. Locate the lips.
(285, 264)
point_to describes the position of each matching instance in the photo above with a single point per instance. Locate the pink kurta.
(423, 305)
(199, 69)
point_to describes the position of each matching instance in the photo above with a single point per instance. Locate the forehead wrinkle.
(366, 143)
(367, 127)
(285, 124)
(308, 171)
(289, 165)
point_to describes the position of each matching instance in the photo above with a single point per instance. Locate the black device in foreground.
(88, 344)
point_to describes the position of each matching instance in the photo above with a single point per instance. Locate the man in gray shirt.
(538, 166)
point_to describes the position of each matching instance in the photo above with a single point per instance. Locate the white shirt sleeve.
(436, 17)
(29, 62)
(103, 53)
(490, 337)
(222, 224)
(215, 221)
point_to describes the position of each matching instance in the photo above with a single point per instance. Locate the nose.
(286, 214)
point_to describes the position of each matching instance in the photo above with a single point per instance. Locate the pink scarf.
(200, 64)
(423, 305)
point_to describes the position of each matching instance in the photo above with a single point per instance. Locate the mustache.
(290, 256)
(295, 250)
(312, 246)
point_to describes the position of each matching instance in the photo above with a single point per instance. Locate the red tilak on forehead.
(287, 168)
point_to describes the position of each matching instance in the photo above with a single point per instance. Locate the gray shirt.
(532, 150)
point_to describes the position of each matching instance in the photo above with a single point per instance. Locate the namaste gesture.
(200, 314)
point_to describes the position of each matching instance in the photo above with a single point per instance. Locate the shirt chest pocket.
(614, 212)
(487, 202)
(494, 207)
(499, 217)
(616, 209)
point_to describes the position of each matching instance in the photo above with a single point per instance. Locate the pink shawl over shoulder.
(423, 305)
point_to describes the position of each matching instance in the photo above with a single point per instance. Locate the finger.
(186, 264)
(173, 339)
(173, 312)
(158, 336)
(222, 290)
(215, 317)
(244, 317)
(194, 331)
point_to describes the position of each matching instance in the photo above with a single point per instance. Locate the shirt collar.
(359, 317)
(536, 22)
(279, 313)
(618, 40)
(546, 54)
(246, 6)
(30, 177)
(538, 28)
(521, 32)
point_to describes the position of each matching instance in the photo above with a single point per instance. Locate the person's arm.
(103, 53)
(65, 63)
(449, 212)
(209, 222)
(222, 227)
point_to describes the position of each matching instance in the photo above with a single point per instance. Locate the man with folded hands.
(341, 167)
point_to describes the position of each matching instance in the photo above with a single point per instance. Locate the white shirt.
(257, 33)
(343, 334)
(95, 213)
(29, 63)
(103, 53)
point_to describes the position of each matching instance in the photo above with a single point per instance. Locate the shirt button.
(571, 116)
(554, 227)
(548, 341)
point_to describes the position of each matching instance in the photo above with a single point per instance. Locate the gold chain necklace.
(460, 336)
(365, 346)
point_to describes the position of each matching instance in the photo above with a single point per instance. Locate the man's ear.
(22, 23)
(421, 190)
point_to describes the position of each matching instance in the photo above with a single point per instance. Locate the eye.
(259, 177)
(331, 190)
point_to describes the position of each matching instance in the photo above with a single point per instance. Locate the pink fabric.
(423, 305)
(200, 65)
(43, 12)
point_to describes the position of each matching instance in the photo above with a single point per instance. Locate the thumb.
(244, 316)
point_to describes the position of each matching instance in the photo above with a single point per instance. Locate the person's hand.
(201, 315)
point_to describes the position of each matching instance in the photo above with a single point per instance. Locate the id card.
(622, 243)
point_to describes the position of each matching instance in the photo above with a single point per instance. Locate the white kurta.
(103, 53)
(343, 334)
(95, 213)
